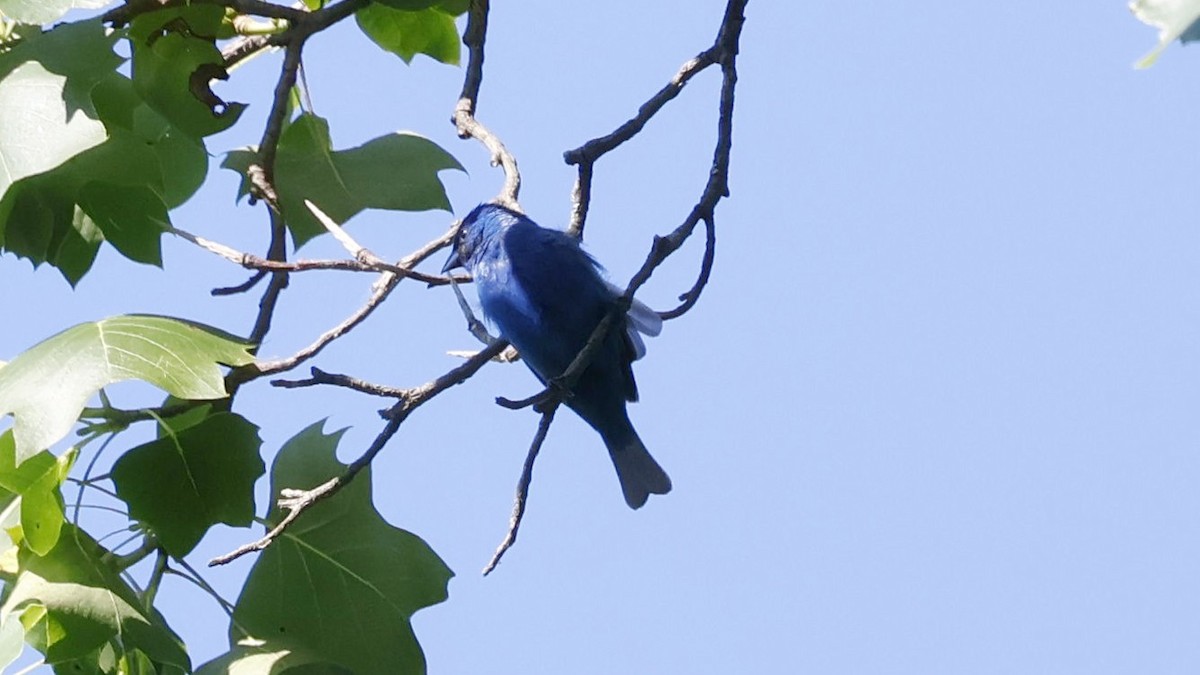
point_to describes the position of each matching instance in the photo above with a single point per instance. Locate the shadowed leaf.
(341, 585)
(183, 483)
(71, 601)
(175, 57)
(398, 171)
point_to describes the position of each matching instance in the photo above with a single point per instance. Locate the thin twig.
(381, 289)
(464, 111)
(263, 265)
(243, 287)
(585, 156)
(320, 377)
(193, 576)
(518, 512)
(295, 502)
(476, 327)
(119, 16)
(277, 251)
(690, 297)
(725, 52)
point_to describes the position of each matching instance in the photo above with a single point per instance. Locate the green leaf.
(132, 219)
(113, 658)
(46, 115)
(398, 171)
(72, 602)
(12, 641)
(1174, 19)
(36, 482)
(405, 32)
(451, 7)
(165, 158)
(73, 249)
(47, 386)
(128, 150)
(341, 559)
(175, 58)
(184, 483)
(45, 11)
(253, 657)
(177, 423)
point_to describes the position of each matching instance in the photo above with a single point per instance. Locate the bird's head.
(480, 226)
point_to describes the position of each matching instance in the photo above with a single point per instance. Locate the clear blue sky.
(937, 411)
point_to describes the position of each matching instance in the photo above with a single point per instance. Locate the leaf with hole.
(175, 60)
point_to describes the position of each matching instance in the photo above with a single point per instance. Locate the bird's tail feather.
(639, 474)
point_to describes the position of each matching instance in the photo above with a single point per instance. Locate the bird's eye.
(463, 243)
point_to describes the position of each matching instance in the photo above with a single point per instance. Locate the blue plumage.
(546, 296)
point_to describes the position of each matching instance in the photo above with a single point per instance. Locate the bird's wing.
(639, 320)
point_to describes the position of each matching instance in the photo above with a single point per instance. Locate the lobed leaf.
(175, 58)
(410, 28)
(398, 171)
(183, 483)
(46, 114)
(340, 586)
(46, 387)
(45, 11)
(71, 602)
(87, 158)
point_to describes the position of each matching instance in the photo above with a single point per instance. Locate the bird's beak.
(453, 263)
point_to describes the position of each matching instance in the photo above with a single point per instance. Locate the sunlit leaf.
(426, 30)
(71, 601)
(112, 658)
(254, 657)
(183, 483)
(398, 171)
(12, 641)
(1174, 19)
(81, 126)
(342, 584)
(45, 11)
(36, 482)
(46, 387)
(46, 114)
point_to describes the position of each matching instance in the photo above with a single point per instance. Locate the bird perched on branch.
(546, 296)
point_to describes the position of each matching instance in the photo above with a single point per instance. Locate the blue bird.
(546, 296)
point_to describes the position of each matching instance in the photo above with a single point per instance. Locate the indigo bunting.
(546, 296)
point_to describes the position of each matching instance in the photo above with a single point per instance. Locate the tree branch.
(723, 51)
(119, 16)
(320, 377)
(585, 156)
(464, 112)
(295, 502)
(518, 512)
(693, 294)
